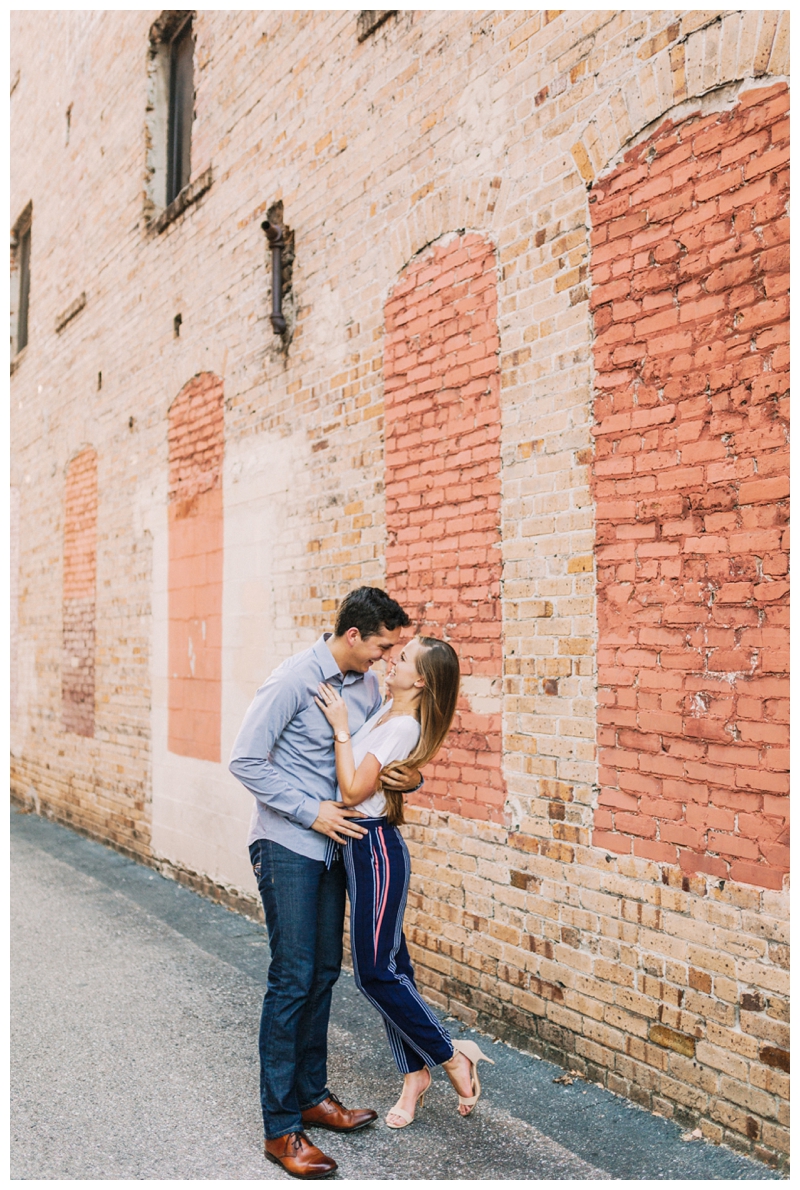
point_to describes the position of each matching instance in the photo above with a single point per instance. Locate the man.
(284, 755)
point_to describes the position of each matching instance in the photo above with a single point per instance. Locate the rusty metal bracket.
(277, 242)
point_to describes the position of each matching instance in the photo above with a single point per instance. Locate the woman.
(410, 726)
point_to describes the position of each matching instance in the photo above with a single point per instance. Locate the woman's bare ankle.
(457, 1062)
(459, 1074)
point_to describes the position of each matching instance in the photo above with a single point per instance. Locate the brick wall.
(670, 989)
(196, 444)
(383, 152)
(80, 578)
(13, 599)
(443, 562)
(690, 272)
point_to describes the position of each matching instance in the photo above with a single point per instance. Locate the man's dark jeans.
(304, 909)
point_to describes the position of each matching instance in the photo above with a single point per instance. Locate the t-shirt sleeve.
(394, 740)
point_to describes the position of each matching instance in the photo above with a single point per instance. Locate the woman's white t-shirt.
(393, 740)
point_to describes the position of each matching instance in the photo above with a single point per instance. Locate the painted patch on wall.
(690, 273)
(443, 561)
(79, 594)
(196, 445)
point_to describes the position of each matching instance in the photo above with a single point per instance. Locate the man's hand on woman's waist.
(335, 821)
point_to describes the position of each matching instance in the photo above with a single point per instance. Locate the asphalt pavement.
(135, 1007)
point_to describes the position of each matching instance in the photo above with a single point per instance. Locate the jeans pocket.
(255, 860)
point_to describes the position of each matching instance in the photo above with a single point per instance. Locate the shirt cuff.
(308, 813)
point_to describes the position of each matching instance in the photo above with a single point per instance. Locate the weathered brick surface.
(690, 278)
(443, 562)
(13, 599)
(439, 126)
(632, 973)
(196, 448)
(80, 577)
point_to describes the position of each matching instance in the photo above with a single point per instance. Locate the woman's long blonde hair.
(437, 663)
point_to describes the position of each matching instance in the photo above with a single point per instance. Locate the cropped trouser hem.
(378, 868)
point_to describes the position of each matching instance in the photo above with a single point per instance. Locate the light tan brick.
(616, 942)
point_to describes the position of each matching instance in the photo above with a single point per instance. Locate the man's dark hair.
(369, 609)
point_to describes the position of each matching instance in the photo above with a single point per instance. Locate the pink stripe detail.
(376, 898)
(385, 895)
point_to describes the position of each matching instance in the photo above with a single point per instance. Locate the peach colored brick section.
(196, 442)
(690, 271)
(79, 583)
(443, 492)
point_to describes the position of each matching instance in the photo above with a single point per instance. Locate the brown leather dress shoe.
(332, 1114)
(296, 1154)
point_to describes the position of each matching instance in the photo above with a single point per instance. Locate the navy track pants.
(378, 869)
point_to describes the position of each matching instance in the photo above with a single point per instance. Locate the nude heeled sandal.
(473, 1053)
(403, 1114)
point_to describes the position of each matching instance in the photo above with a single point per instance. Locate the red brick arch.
(690, 279)
(196, 446)
(443, 562)
(79, 594)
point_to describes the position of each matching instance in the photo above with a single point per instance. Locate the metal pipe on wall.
(275, 237)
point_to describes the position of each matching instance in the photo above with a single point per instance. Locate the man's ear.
(352, 636)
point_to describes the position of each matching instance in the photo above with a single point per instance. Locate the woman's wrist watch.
(342, 737)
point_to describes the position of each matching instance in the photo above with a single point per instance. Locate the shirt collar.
(328, 664)
(325, 657)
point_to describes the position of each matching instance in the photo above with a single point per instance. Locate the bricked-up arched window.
(690, 272)
(79, 597)
(196, 446)
(443, 561)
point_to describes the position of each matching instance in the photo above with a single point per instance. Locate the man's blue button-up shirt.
(284, 750)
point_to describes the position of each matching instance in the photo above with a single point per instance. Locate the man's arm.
(274, 706)
(403, 780)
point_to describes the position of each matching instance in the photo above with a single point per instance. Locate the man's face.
(364, 651)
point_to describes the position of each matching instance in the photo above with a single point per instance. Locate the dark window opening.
(69, 121)
(24, 259)
(176, 325)
(181, 111)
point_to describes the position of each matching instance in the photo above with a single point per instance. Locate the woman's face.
(403, 673)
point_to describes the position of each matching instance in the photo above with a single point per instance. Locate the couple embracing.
(328, 764)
